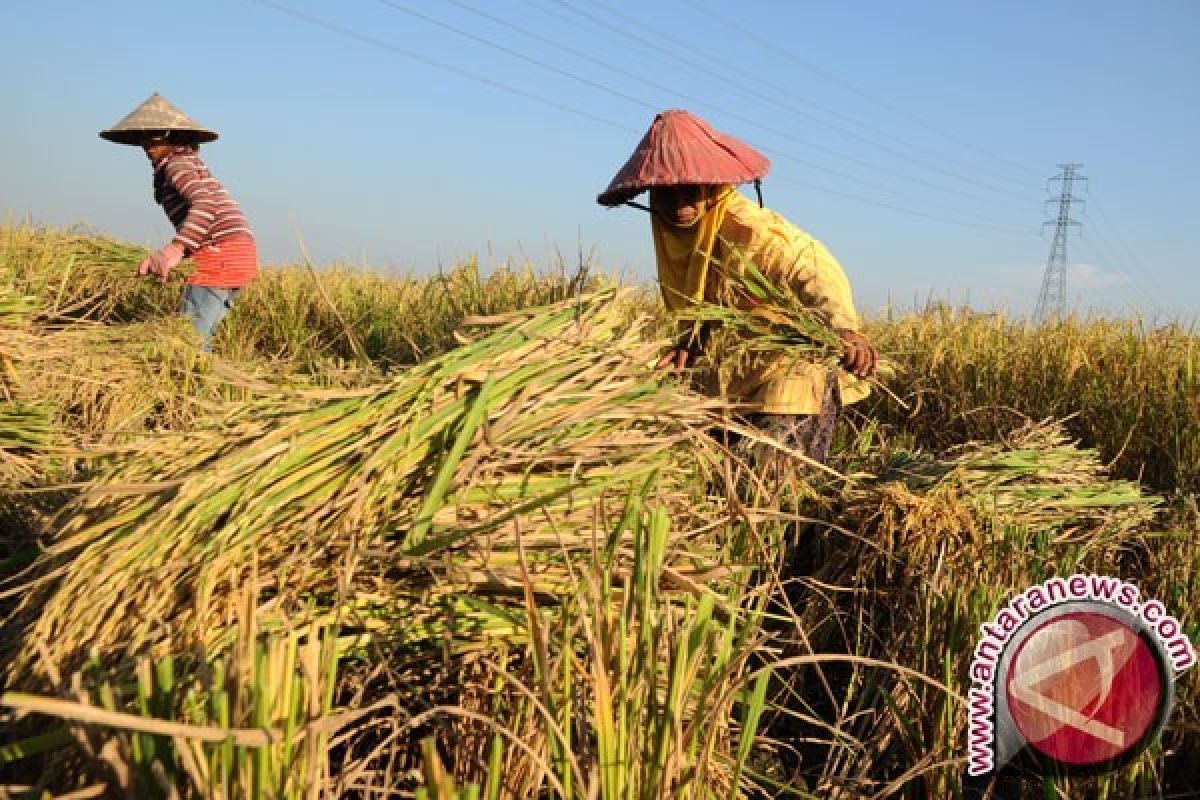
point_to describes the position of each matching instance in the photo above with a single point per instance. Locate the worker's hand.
(858, 357)
(162, 262)
(674, 360)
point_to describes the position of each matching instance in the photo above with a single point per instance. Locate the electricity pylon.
(1052, 300)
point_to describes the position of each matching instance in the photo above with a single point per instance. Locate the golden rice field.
(457, 537)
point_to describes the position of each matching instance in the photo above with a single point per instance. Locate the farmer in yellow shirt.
(702, 226)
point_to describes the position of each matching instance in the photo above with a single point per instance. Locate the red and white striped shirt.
(205, 217)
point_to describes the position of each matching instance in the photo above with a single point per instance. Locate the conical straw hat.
(155, 117)
(681, 148)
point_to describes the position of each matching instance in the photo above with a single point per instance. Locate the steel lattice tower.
(1052, 300)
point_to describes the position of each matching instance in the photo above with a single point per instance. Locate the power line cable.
(366, 39)
(777, 103)
(656, 48)
(826, 75)
(537, 62)
(1132, 257)
(459, 71)
(1011, 230)
(784, 156)
(644, 103)
(668, 90)
(846, 118)
(1135, 299)
(1114, 262)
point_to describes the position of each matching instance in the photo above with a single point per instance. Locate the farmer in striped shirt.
(700, 219)
(209, 226)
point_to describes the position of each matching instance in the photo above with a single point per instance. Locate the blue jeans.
(207, 307)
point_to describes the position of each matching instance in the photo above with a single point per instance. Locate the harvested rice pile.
(78, 274)
(522, 432)
(1038, 480)
(25, 430)
(911, 562)
(439, 510)
(520, 548)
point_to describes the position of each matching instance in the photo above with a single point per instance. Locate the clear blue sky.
(914, 139)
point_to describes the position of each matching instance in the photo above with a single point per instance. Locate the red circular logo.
(1084, 688)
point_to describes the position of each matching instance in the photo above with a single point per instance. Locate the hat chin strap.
(757, 192)
(653, 213)
(648, 210)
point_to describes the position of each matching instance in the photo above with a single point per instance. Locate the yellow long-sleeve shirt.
(787, 256)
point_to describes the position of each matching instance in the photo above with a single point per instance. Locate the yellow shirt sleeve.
(790, 257)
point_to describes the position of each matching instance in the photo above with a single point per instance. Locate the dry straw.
(500, 496)
(516, 547)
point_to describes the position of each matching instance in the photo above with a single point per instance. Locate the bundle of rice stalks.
(756, 325)
(519, 432)
(80, 274)
(16, 312)
(913, 562)
(111, 384)
(761, 327)
(15, 308)
(113, 381)
(642, 690)
(458, 508)
(1129, 387)
(27, 434)
(1039, 482)
(76, 382)
(30, 446)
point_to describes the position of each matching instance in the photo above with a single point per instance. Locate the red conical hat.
(682, 148)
